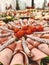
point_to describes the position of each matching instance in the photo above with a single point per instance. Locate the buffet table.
(24, 37)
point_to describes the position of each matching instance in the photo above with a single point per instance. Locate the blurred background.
(23, 4)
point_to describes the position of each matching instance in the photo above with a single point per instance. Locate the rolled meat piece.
(41, 40)
(5, 35)
(46, 28)
(44, 48)
(6, 54)
(19, 46)
(6, 29)
(21, 22)
(19, 58)
(2, 40)
(25, 47)
(43, 32)
(25, 22)
(29, 45)
(32, 42)
(30, 48)
(10, 41)
(17, 22)
(45, 36)
(37, 35)
(12, 46)
(38, 55)
(14, 25)
(9, 26)
(30, 21)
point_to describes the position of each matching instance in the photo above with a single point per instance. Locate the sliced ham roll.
(21, 22)
(2, 40)
(14, 25)
(17, 22)
(44, 48)
(45, 36)
(6, 54)
(18, 46)
(19, 57)
(30, 21)
(6, 29)
(29, 45)
(38, 55)
(32, 42)
(46, 28)
(37, 35)
(10, 41)
(12, 46)
(25, 22)
(9, 26)
(5, 35)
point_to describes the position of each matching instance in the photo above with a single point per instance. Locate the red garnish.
(16, 30)
(39, 28)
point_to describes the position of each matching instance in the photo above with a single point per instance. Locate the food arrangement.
(23, 14)
(25, 41)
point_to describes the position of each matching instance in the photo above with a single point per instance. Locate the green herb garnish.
(44, 61)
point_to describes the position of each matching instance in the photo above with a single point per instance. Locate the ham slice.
(25, 22)
(38, 55)
(10, 41)
(18, 46)
(32, 42)
(6, 54)
(17, 59)
(45, 36)
(3, 40)
(12, 46)
(5, 35)
(44, 48)
(19, 56)
(29, 45)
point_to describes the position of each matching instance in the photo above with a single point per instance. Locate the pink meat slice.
(5, 56)
(32, 42)
(3, 40)
(20, 58)
(45, 36)
(44, 48)
(46, 28)
(18, 46)
(37, 54)
(29, 45)
(17, 59)
(25, 22)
